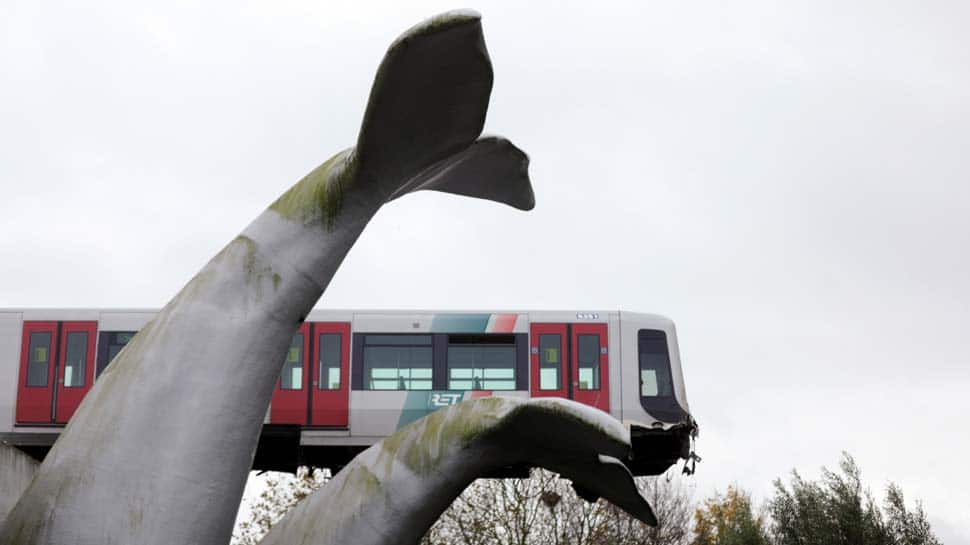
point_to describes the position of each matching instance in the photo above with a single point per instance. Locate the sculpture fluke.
(393, 492)
(159, 450)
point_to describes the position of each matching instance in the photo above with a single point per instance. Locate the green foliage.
(839, 511)
(906, 527)
(728, 520)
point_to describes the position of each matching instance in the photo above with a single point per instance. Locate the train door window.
(36, 382)
(550, 362)
(397, 362)
(292, 376)
(329, 394)
(38, 364)
(329, 361)
(655, 378)
(110, 344)
(589, 365)
(289, 404)
(481, 362)
(589, 362)
(75, 367)
(75, 359)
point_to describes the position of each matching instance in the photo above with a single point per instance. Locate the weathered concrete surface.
(159, 450)
(394, 491)
(16, 471)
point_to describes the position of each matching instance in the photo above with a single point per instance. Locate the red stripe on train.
(505, 323)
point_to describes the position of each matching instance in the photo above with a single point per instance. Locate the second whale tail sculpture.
(159, 450)
(391, 493)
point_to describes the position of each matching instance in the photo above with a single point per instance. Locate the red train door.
(35, 389)
(589, 365)
(550, 377)
(75, 367)
(289, 405)
(330, 386)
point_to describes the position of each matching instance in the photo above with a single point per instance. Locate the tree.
(499, 512)
(729, 520)
(544, 510)
(540, 510)
(906, 527)
(672, 503)
(835, 511)
(280, 493)
(839, 511)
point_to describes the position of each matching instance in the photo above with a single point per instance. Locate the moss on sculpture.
(318, 197)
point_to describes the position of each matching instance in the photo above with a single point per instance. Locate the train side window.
(655, 380)
(550, 361)
(39, 357)
(292, 376)
(75, 358)
(481, 362)
(589, 362)
(329, 361)
(110, 344)
(397, 362)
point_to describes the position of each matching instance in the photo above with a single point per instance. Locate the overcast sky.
(788, 183)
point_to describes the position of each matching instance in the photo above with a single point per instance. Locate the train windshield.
(654, 364)
(656, 384)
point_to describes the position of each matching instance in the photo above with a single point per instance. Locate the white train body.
(353, 377)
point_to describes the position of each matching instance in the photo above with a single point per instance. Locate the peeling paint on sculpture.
(393, 492)
(159, 450)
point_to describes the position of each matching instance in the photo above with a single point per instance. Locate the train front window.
(75, 358)
(589, 362)
(550, 361)
(397, 362)
(329, 361)
(292, 376)
(481, 362)
(39, 357)
(655, 378)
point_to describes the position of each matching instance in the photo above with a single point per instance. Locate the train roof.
(32, 313)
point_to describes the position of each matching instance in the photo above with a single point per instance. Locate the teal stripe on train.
(419, 404)
(460, 323)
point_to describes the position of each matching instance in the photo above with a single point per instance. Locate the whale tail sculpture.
(159, 450)
(393, 492)
(421, 129)
(423, 118)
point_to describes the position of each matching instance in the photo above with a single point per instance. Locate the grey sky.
(788, 183)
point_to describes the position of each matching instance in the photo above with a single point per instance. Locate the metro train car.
(353, 377)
